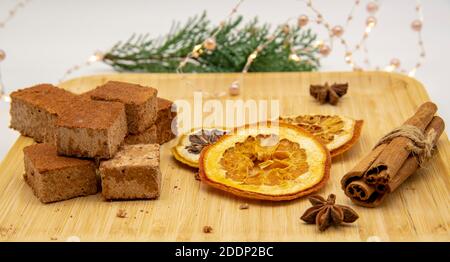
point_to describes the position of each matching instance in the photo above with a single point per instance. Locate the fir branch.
(235, 42)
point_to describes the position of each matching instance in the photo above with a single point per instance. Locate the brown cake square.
(149, 136)
(166, 126)
(133, 173)
(55, 178)
(160, 132)
(89, 128)
(140, 102)
(165, 131)
(165, 110)
(35, 109)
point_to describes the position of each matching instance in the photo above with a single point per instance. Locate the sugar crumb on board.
(121, 213)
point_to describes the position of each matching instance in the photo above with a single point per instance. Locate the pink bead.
(416, 25)
(210, 43)
(303, 20)
(324, 50)
(2, 55)
(372, 7)
(337, 31)
(235, 89)
(395, 62)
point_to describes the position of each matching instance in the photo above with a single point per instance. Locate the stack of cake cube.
(114, 130)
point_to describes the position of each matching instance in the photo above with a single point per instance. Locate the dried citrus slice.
(338, 133)
(271, 162)
(190, 144)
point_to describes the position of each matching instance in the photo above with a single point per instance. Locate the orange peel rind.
(338, 133)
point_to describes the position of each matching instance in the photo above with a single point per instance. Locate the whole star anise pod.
(202, 139)
(325, 213)
(328, 94)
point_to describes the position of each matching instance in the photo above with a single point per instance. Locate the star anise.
(325, 213)
(202, 139)
(328, 94)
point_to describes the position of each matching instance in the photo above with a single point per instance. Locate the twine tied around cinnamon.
(421, 145)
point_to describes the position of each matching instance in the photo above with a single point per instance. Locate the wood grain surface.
(418, 210)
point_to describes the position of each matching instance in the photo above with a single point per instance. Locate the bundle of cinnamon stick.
(396, 157)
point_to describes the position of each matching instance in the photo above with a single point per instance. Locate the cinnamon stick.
(410, 166)
(359, 170)
(354, 179)
(372, 193)
(396, 152)
(359, 189)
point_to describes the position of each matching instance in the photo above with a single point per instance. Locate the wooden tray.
(419, 210)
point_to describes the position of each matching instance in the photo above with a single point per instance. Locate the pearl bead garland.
(324, 49)
(372, 8)
(10, 15)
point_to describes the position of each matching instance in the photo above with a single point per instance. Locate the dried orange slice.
(270, 162)
(338, 133)
(190, 144)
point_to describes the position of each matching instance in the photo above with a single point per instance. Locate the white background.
(48, 36)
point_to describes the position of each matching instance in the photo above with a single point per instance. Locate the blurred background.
(47, 37)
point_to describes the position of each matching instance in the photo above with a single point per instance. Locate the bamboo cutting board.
(418, 210)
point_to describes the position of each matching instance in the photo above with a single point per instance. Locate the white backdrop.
(48, 36)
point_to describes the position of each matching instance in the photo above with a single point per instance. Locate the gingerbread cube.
(140, 102)
(55, 178)
(34, 110)
(93, 129)
(134, 173)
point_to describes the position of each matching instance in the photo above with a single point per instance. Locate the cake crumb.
(121, 213)
(175, 187)
(142, 210)
(53, 238)
(207, 229)
(244, 206)
(197, 176)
